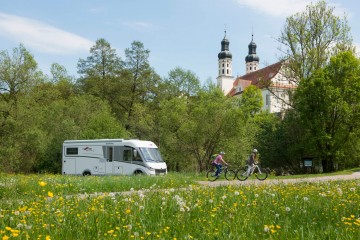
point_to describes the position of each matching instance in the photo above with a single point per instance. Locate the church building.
(271, 79)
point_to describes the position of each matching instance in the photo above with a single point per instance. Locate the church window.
(223, 71)
(223, 65)
(267, 99)
(227, 71)
(250, 68)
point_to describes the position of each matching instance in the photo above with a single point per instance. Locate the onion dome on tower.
(252, 60)
(225, 53)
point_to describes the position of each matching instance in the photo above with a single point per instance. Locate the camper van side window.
(127, 155)
(110, 154)
(71, 151)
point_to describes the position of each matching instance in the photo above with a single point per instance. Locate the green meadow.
(174, 207)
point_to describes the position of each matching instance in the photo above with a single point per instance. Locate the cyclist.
(251, 160)
(217, 163)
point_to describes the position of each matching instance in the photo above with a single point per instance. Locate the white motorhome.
(111, 156)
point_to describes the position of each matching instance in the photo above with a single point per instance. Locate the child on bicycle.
(217, 163)
(251, 161)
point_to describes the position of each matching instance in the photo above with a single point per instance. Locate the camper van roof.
(94, 140)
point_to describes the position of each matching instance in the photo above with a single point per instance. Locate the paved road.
(221, 182)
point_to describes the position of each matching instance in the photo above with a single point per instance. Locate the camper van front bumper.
(160, 171)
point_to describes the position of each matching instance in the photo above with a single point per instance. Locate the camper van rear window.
(71, 151)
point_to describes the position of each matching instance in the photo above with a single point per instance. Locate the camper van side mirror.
(135, 153)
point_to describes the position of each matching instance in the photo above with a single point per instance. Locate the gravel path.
(223, 182)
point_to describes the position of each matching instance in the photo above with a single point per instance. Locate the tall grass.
(173, 207)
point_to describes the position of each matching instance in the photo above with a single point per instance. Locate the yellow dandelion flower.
(42, 184)
(5, 237)
(50, 194)
(48, 237)
(128, 211)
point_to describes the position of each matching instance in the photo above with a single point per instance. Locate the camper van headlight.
(150, 168)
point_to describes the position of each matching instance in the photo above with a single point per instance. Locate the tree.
(17, 74)
(97, 70)
(328, 104)
(308, 40)
(194, 128)
(312, 37)
(182, 83)
(141, 81)
(251, 101)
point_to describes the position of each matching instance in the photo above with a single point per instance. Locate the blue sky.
(178, 33)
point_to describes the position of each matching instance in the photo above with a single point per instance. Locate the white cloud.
(277, 8)
(40, 36)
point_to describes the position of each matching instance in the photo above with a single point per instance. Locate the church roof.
(260, 78)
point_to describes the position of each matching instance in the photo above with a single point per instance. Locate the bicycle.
(229, 174)
(260, 173)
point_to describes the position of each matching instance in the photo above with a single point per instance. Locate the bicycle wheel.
(230, 175)
(210, 175)
(241, 174)
(261, 173)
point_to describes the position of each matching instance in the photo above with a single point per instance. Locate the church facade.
(271, 80)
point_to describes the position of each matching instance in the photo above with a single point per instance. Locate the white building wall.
(225, 83)
(277, 98)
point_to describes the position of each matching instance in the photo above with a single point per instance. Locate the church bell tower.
(225, 79)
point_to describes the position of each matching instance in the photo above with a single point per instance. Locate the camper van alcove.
(111, 157)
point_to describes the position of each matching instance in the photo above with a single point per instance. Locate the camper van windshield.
(151, 155)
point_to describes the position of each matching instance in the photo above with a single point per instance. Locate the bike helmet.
(222, 153)
(255, 150)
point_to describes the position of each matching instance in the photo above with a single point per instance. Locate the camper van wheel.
(138, 172)
(86, 174)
